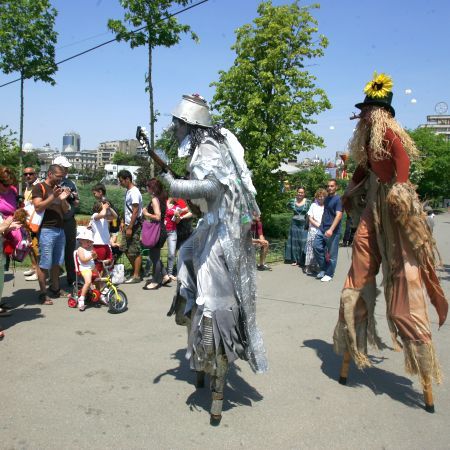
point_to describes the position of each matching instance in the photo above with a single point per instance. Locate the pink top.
(8, 202)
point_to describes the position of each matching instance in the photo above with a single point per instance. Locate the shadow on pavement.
(397, 387)
(237, 390)
(19, 313)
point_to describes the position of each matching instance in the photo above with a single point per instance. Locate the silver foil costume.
(220, 255)
(217, 269)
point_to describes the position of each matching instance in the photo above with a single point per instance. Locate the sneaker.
(263, 267)
(326, 279)
(320, 275)
(133, 280)
(32, 277)
(81, 305)
(28, 272)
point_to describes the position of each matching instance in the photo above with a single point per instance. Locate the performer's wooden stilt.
(344, 368)
(428, 396)
(200, 380)
(216, 408)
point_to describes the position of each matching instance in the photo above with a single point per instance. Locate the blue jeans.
(171, 249)
(51, 247)
(320, 245)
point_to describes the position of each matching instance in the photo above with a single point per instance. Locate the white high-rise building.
(71, 142)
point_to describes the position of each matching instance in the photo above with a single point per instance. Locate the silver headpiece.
(193, 110)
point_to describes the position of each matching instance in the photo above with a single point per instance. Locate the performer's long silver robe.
(216, 265)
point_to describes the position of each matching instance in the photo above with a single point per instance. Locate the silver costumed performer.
(217, 268)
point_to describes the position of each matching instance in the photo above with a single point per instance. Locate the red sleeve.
(399, 156)
(260, 229)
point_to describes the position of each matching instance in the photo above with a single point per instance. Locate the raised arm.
(209, 188)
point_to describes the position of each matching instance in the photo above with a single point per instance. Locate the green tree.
(27, 45)
(168, 146)
(10, 154)
(160, 30)
(268, 97)
(311, 180)
(143, 174)
(8, 147)
(121, 158)
(431, 171)
(127, 159)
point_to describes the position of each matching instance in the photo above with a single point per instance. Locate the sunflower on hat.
(379, 93)
(379, 86)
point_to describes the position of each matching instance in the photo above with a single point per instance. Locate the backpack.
(35, 218)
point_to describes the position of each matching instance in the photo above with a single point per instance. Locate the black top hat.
(383, 102)
(378, 93)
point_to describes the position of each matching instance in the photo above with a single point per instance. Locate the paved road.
(94, 380)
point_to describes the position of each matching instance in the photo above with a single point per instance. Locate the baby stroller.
(115, 298)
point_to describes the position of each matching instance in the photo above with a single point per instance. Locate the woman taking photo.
(295, 247)
(155, 212)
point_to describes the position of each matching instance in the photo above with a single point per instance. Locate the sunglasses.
(25, 174)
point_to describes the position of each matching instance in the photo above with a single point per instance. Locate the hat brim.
(376, 103)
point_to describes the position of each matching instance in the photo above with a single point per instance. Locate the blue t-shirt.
(331, 206)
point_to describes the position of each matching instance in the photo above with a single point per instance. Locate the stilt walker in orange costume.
(392, 233)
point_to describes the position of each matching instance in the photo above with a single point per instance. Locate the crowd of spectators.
(58, 244)
(315, 231)
(312, 244)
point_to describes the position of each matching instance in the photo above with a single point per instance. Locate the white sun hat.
(85, 233)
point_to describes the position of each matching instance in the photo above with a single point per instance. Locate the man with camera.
(70, 224)
(49, 197)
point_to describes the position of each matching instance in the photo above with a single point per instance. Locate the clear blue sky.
(101, 95)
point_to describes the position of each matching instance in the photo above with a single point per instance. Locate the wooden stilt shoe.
(428, 396)
(216, 409)
(344, 369)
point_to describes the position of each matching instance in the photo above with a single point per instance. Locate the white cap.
(62, 161)
(85, 233)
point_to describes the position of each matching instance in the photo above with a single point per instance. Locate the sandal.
(151, 287)
(166, 281)
(44, 300)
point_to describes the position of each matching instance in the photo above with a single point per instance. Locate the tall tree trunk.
(21, 134)
(152, 111)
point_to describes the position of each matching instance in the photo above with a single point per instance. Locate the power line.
(115, 39)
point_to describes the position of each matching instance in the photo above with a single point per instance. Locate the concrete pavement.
(94, 380)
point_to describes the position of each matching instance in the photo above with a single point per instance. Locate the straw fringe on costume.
(407, 252)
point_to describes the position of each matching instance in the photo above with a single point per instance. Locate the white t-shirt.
(315, 211)
(100, 229)
(86, 254)
(133, 196)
